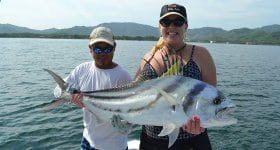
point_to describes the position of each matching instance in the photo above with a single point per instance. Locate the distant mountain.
(49, 31)
(119, 29)
(270, 28)
(205, 33)
(125, 30)
(76, 30)
(264, 35)
(131, 29)
(9, 28)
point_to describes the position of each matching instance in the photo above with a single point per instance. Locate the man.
(101, 73)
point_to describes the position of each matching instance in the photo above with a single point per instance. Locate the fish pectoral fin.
(167, 129)
(172, 137)
(169, 98)
(121, 125)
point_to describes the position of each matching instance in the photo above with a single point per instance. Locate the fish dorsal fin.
(140, 78)
(174, 69)
(169, 98)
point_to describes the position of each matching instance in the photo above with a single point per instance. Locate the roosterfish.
(168, 101)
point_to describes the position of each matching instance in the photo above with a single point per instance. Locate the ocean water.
(248, 74)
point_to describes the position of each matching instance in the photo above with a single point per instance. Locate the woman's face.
(172, 29)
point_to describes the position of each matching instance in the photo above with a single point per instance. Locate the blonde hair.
(160, 43)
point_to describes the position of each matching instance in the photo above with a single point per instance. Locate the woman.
(171, 51)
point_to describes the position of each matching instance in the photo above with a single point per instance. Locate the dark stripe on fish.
(131, 89)
(189, 99)
(172, 87)
(116, 89)
(115, 93)
(109, 97)
(112, 96)
(176, 84)
(149, 105)
(144, 107)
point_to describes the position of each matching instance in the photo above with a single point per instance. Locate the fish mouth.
(223, 117)
(225, 113)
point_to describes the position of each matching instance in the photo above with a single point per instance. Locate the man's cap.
(173, 9)
(101, 34)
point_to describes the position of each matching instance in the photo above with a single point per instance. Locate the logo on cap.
(175, 9)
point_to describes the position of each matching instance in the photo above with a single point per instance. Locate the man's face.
(102, 54)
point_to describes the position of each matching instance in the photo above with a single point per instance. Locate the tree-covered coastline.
(254, 39)
(267, 35)
(75, 36)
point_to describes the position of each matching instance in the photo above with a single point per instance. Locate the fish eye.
(217, 101)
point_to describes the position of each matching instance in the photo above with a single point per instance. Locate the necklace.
(174, 51)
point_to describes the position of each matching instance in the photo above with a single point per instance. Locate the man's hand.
(77, 99)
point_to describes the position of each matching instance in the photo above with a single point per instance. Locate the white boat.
(133, 145)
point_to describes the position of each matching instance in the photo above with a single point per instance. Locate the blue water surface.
(248, 74)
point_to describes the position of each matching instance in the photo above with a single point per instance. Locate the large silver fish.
(168, 101)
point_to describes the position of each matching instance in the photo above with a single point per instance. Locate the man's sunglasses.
(176, 22)
(99, 50)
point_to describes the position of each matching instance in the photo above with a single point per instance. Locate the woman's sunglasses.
(178, 22)
(105, 50)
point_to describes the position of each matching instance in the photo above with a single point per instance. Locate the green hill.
(133, 31)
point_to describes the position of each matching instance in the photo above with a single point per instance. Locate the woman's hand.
(77, 99)
(193, 126)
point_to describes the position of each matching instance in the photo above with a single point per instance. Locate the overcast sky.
(226, 14)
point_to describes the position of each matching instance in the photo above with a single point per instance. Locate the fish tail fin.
(54, 103)
(64, 97)
(58, 79)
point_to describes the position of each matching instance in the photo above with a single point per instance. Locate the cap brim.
(101, 40)
(172, 13)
